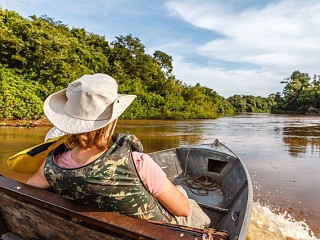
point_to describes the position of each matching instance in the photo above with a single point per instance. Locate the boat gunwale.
(110, 222)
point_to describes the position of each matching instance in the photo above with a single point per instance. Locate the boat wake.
(266, 224)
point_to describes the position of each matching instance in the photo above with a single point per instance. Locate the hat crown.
(87, 104)
(91, 97)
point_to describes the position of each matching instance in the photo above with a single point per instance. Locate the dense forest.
(301, 94)
(39, 56)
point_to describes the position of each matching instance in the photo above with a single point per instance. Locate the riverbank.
(43, 122)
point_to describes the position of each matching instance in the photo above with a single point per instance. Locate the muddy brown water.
(281, 153)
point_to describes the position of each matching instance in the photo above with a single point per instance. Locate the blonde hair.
(99, 138)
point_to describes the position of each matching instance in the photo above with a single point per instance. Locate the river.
(281, 153)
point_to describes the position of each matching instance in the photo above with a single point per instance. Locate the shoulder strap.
(135, 143)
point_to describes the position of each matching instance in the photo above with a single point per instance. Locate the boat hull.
(32, 213)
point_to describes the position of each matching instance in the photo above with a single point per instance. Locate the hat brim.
(54, 111)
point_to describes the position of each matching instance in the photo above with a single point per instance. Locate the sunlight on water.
(265, 224)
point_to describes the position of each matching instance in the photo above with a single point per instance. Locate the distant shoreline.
(44, 122)
(25, 123)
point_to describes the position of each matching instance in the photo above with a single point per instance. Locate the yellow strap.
(29, 160)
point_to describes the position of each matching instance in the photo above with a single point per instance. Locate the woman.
(118, 177)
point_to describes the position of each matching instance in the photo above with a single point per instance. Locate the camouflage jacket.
(111, 182)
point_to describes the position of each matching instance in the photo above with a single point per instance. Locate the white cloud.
(229, 82)
(276, 39)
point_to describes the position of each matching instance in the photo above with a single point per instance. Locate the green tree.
(164, 60)
(18, 97)
(44, 55)
(293, 89)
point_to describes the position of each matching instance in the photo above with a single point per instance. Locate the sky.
(234, 47)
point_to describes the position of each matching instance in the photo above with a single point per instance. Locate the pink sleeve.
(152, 176)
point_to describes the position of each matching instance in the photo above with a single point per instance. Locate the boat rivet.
(181, 234)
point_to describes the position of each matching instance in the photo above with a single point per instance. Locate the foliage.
(249, 103)
(18, 97)
(300, 93)
(40, 56)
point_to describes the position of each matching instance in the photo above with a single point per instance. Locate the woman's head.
(87, 104)
(98, 138)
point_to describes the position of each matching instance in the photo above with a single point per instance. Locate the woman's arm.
(156, 181)
(173, 200)
(38, 179)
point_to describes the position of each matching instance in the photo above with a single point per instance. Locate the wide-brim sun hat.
(87, 104)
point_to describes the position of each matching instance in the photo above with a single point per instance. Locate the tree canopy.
(300, 94)
(40, 56)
